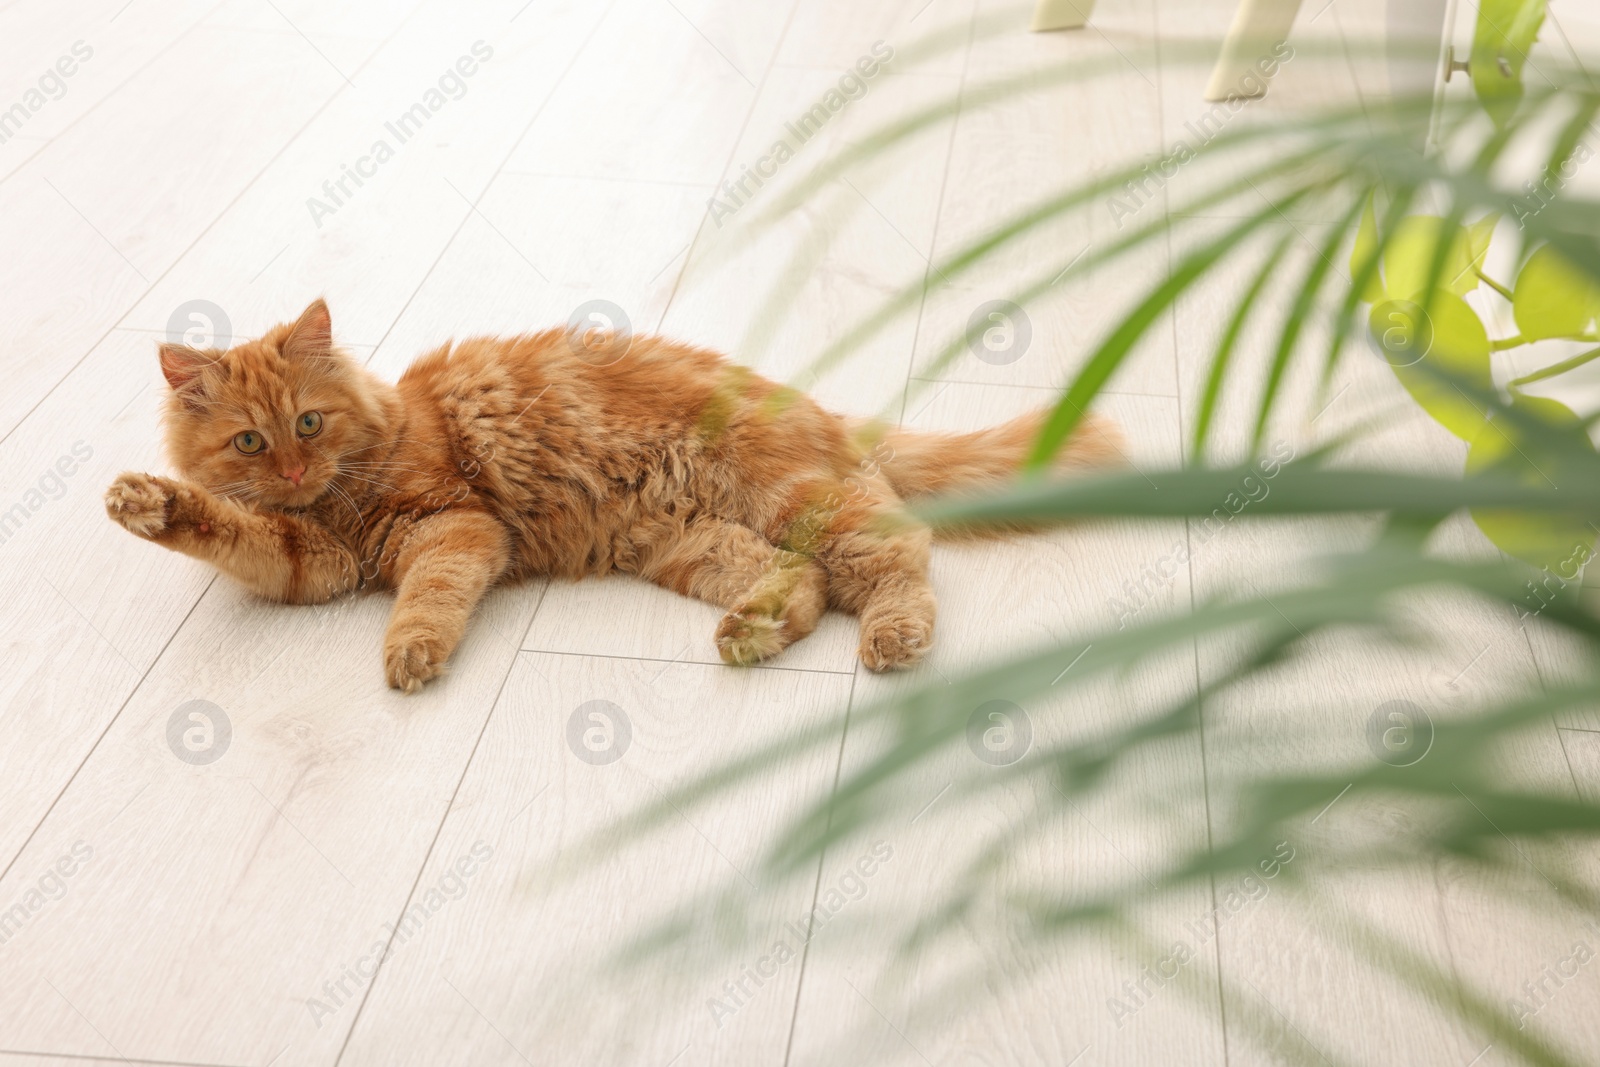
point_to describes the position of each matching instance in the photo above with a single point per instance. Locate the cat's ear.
(312, 333)
(181, 365)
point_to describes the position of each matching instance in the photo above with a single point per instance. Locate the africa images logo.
(199, 732)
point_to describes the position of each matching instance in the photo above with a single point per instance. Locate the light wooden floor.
(234, 912)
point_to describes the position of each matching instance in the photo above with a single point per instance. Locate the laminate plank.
(18, 151)
(114, 41)
(1313, 714)
(369, 245)
(213, 896)
(92, 246)
(833, 34)
(577, 984)
(693, 72)
(28, 1059)
(985, 989)
(89, 607)
(626, 617)
(1563, 659)
(1021, 151)
(776, 297)
(1523, 947)
(345, 35)
(1583, 756)
(517, 267)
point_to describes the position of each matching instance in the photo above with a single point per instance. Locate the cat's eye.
(249, 442)
(309, 424)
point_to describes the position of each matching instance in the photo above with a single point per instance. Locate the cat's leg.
(773, 597)
(278, 556)
(441, 568)
(876, 557)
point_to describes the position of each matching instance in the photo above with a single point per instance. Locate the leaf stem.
(1491, 283)
(1558, 368)
(1503, 343)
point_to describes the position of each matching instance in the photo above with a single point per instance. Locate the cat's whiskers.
(233, 490)
(368, 480)
(360, 521)
(374, 464)
(385, 443)
(363, 472)
(333, 486)
(369, 462)
(368, 469)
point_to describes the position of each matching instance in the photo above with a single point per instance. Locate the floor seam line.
(488, 184)
(938, 212)
(466, 768)
(768, 666)
(727, 168)
(1188, 539)
(87, 756)
(123, 84)
(816, 887)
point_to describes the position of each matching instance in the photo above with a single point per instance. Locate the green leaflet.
(1552, 298)
(1558, 544)
(1505, 32)
(1407, 259)
(1451, 337)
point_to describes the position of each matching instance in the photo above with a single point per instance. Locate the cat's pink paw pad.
(409, 662)
(743, 639)
(891, 644)
(138, 502)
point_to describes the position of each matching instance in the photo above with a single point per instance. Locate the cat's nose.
(294, 474)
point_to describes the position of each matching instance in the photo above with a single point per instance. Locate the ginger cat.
(305, 477)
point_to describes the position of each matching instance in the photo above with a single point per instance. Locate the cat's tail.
(920, 464)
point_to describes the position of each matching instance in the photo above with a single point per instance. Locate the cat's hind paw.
(411, 660)
(139, 503)
(744, 638)
(895, 641)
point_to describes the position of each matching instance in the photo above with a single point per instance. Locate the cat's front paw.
(140, 503)
(410, 659)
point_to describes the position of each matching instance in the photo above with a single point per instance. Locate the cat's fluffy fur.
(499, 458)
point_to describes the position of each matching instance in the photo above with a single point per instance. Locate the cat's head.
(269, 421)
